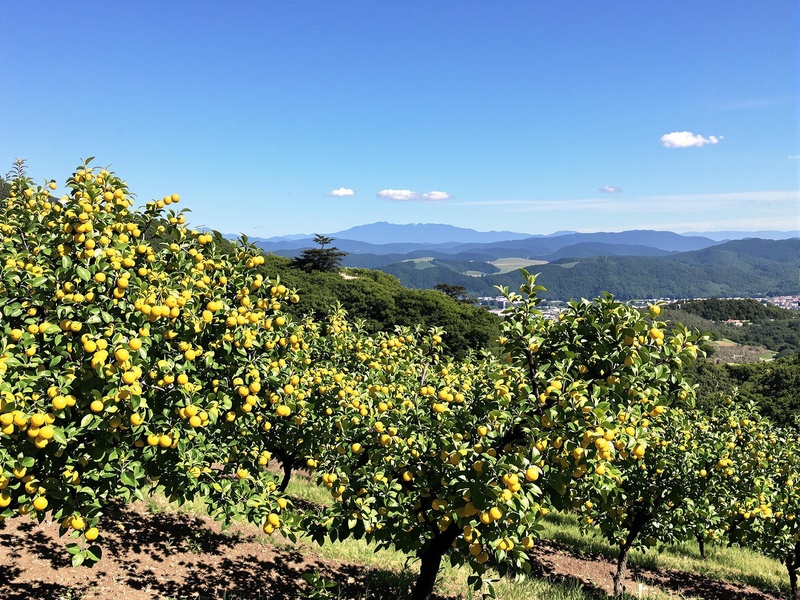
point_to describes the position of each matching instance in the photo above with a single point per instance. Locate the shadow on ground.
(212, 564)
(178, 556)
(684, 583)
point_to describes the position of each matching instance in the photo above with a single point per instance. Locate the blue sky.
(275, 118)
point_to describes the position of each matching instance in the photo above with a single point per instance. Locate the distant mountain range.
(724, 236)
(412, 233)
(386, 238)
(629, 264)
(442, 240)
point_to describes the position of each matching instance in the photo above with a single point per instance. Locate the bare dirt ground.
(595, 573)
(176, 556)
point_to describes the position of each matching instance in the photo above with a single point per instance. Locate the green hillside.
(384, 303)
(751, 267)
(777, 329)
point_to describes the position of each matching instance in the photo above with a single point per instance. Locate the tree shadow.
(279, 577)
(28, 537)
(543, 562)
(161, 534)
(691, 584)
(146, 547)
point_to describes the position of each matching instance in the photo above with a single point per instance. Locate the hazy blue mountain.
(284, 238)
(738, 235)
(422, 233)
(586, 249)
(641, 242)
(356, 247)
(540, 247)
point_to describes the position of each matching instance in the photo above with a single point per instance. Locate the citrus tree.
(713, 460)
(605, 378)
(763, 506)
(417, 453)
(461, 459)
(677, 490)
(134, 350)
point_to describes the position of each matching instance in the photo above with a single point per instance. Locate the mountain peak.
(422, 233)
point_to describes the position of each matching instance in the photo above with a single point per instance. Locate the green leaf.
(94, 553)
(73, 548)
(128, 478)
(83, 273)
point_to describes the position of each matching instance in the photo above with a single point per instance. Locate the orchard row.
(136, 352)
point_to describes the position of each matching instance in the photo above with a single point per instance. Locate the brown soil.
(595, 573)
(176, 556)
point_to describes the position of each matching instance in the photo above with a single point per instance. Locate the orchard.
(137, 353)
(134, 352)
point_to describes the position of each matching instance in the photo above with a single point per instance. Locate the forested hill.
(383, 304)
(740, 309)
(751, 267)
(757, 324)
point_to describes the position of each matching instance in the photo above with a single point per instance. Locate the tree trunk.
(701, 544)
(622, 559)
(430, 561)
(287, 462)
(792, 563)
(639, 520)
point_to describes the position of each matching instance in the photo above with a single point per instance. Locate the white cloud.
(610, 189)
(794, 157)
(342, 192)
(398, 195)
(412, 196)
(687, 139)
(436, 196)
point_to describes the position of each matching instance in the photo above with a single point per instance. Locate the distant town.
(551, 309)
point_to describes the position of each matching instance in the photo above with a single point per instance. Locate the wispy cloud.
(610, 189)
(745, 211)
(666, 203)
(341, 192)
(412, 196)
(734, 223)
(687, 139)
(794, 157)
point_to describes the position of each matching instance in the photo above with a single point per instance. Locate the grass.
(301, 486)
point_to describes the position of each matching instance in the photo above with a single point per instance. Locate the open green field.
(728, 351)
(506, 265)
